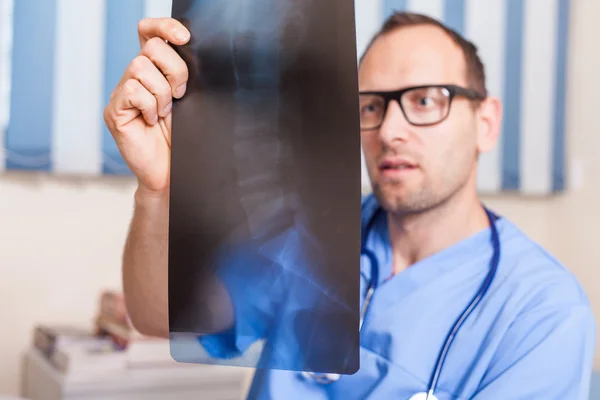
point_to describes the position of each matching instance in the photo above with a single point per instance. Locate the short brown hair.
(475, 69)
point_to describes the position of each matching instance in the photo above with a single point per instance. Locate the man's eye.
(425, 101)
(370, 108)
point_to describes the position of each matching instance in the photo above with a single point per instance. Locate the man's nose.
(394, 128)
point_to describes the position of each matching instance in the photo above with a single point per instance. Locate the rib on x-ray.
(264, 221)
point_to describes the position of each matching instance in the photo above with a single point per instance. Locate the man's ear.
(489, 123)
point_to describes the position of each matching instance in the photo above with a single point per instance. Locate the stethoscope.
(429, 395)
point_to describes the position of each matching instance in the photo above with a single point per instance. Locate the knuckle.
(130, 88)
(106, 116)
(164, 25)
(110, 119)
(153, 46)
(138, 65)
(113, 96)
(143, 24)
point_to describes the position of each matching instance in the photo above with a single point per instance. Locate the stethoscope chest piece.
(423, 396)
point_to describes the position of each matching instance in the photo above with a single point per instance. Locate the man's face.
(415, 168)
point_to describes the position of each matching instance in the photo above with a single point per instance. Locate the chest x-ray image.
(264, 235)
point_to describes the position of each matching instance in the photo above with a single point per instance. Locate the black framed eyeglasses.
(421, 105)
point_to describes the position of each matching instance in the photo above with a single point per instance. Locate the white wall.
(61, 240)
(60, 244)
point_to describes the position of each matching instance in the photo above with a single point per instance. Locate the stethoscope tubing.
(495, 260)
(374, 279)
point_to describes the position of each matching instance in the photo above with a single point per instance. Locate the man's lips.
(397, 168)
(398, 164)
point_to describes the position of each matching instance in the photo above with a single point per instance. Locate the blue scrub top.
(532, 336)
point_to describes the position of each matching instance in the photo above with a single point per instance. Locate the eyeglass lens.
(422, 106)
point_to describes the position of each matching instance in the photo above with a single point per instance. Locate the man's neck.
(418, 236)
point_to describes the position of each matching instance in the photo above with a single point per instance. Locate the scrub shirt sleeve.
(546, 354)
(247, 278)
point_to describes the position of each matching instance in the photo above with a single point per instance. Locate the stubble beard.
(401, 201)
(397, 200)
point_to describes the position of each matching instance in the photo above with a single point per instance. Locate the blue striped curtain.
(60, 60)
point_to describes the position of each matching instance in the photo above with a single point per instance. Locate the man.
(532, 336)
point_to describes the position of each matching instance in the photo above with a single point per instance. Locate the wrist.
(144, 195)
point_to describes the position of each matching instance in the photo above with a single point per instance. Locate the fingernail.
(167, 109)
(180, 91)
(181, 34)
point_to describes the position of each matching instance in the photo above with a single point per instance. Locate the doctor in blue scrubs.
(462, 304)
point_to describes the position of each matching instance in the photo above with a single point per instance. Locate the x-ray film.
(264, 236)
